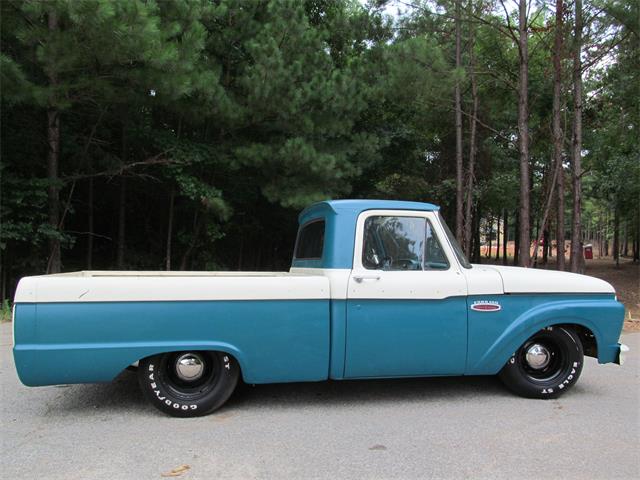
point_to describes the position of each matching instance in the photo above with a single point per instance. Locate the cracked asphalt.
(412, 428)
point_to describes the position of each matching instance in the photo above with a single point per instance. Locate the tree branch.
(509, 27)
(158, 159)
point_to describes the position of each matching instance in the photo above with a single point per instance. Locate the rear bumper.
(622, 350)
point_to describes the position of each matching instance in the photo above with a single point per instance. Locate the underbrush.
(5, 311)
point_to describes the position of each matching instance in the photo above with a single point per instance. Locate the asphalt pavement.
(467, 427)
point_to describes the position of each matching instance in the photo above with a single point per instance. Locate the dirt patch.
(626, 281)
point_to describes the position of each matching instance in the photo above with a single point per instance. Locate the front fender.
(604, 317)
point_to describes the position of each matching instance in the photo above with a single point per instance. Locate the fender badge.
(485, 306)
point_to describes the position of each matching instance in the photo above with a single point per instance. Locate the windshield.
(454, 244)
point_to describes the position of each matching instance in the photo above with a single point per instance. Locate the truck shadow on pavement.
(353, 392)
(124, 395)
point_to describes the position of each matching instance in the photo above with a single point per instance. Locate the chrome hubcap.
(189, 367)
(538, 357)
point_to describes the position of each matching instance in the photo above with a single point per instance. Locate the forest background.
(187, 135)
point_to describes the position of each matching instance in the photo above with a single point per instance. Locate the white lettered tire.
(189, 383)
(546, 365)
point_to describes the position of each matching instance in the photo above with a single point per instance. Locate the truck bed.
(87, 327)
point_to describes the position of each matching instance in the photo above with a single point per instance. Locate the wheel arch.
(587, 338)
(229, 349)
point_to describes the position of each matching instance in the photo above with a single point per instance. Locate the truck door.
(406, 305)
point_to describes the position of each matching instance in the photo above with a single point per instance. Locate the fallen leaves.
(378, 447)
(176, 472)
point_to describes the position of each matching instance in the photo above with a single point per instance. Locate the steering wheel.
(405, 264)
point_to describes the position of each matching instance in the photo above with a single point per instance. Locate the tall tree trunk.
(122, 222)
(90, 222)
(473, 145)
(53, 158)
(53, 191)
(545, 247)
(636, 242)
(259, 257)
(625, 241)
(240, 252)
(616, 236)
(560, 230)
(122, 203)
(3, 275)
(505, 237)
(458, 127)
(172, 197)
(523, 130)
(599, 240)
(536, 236)
(516, 238)
(476, 235)
(489, 236)
(558, 134)
(197, 228)
(498, 238)
(90, 196)
(545, 218)
(576, 154)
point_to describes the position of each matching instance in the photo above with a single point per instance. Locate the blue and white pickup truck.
(377, 289)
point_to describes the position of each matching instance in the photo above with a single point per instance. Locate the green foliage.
(6, 313)
(240, 113)
(612, 141)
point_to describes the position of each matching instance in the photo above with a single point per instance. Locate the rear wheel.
(546, 365)
(188, 384)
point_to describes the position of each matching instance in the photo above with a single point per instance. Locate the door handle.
(366, 278)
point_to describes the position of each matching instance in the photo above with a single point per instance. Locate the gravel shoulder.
(416, 428)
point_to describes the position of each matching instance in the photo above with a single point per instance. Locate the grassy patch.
(5, 311)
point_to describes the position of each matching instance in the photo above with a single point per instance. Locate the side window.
(434, 256)
(310, 241)
(393, 243)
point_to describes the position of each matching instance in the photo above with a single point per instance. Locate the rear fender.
(76, 363)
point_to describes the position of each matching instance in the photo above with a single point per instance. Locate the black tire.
(169, 391)
(530, 377)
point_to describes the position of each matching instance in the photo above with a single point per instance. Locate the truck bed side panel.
(84, 342)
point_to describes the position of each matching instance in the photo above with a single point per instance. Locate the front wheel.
(546, 365)
(188, 384)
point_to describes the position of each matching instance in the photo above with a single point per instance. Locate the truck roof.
(360, 205)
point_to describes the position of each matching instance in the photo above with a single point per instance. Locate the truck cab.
(397, 283)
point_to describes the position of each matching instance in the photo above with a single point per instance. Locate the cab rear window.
(310, 241)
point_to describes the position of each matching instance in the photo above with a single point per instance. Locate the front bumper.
(622, 350)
